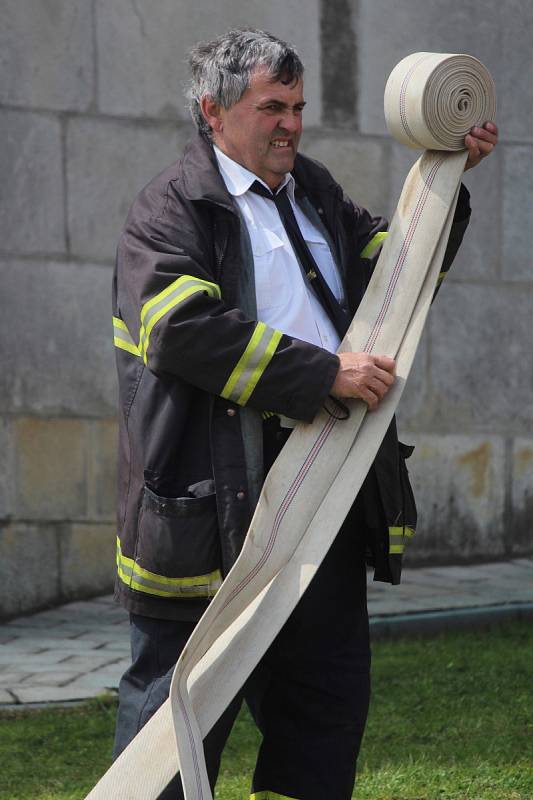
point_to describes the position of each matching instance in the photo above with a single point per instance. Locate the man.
(241, 266)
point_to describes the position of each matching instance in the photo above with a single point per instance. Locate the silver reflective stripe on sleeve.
(122, 338)
(163, 302)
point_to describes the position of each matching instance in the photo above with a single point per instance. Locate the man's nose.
(290, 122)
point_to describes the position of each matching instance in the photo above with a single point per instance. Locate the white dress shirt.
(284, 299)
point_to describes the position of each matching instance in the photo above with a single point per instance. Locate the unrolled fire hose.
(431, 102)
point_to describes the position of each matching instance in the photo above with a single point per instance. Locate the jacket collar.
(201, 179)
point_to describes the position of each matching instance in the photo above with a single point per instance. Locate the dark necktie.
(312, 274)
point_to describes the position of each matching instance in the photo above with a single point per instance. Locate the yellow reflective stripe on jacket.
(373, 244)
(135, 577)
(397, 538)
(268, 795)
(252, 364)
(442, 275)
(174, 294)
(122, 338)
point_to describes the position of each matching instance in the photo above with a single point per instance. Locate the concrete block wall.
(91, 107)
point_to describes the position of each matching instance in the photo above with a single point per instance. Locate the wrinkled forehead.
(263, 82)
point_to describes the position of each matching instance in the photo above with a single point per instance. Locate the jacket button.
(320, 211)
(240, 495)
(230, 412)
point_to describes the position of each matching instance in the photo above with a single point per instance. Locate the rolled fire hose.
(432, 100)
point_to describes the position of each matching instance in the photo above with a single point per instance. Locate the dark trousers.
(309, 694)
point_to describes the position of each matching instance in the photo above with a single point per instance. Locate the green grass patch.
(451, 719)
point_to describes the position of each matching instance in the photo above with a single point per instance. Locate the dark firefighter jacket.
(196, 371)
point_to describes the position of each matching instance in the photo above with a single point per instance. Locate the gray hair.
(222, 68)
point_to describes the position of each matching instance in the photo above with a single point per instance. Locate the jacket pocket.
(178, 551)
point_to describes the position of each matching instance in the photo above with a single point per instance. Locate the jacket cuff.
(305, 406)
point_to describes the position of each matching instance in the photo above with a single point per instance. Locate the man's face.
(262, 131)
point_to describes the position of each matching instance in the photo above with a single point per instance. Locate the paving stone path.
(80, 650)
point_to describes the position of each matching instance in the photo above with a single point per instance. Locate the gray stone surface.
(87, 554)
(109, 162)
(522, 496)
(7, 468)
(358, 164)
(102, 474)
(31, 211)
(514, 81)
(29, 569)
(481, 368)
(414, 397)
(479, 256)
(59, 316)
(143, 48)
(459, 486)
(387, 32)
(41, 659)
(44, 674)
(52, 694)
(47, 54)
(517, 220)
(339, 58)
(51, 468)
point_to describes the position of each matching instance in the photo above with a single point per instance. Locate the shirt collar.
(238, 179)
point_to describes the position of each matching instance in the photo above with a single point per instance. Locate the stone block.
(52, 678)
(358, 164)
(515, 89)
(522, 497)
(7, 468)
(57, 333)
(459, 486)
(102, 475)
(414, 398)
(387, 32)
(479, 255)
(7, 679)
(29, 567)
(47, 54)
(87, 559)
(517, 256)
(98, 682)
(51, 468)
(31, 214)
(339, 58)
(108, 163)
(52, 694)
(143, 47)
(481, 371)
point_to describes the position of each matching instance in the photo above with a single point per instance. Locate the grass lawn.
(451, 719)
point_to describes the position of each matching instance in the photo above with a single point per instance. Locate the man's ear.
(211, 111)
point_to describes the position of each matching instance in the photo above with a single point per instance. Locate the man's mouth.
(280, 143)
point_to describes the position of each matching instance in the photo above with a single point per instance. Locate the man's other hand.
(480, 142)
(364, 376)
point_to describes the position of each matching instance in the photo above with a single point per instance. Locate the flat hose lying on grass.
(432, 100)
